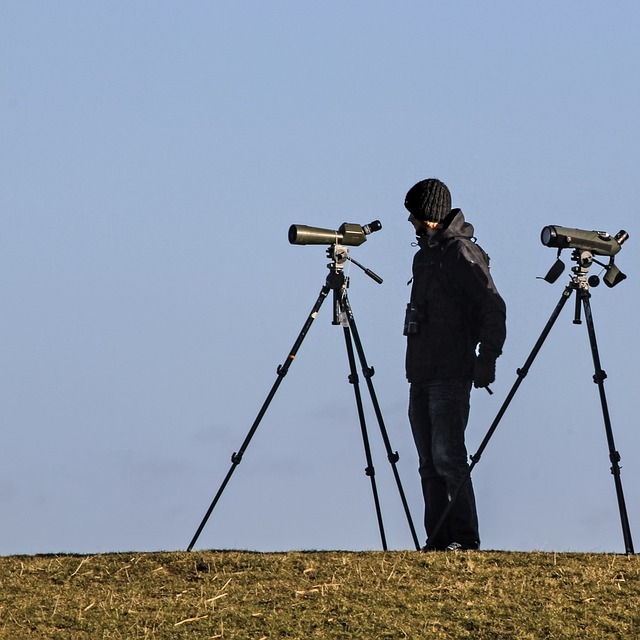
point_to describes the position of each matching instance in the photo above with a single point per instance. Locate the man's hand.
(484, 372)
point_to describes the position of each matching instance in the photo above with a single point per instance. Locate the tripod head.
(584, 259)
(338, 282)
(339, 254)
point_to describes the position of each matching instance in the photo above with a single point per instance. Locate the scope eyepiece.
(376, 225)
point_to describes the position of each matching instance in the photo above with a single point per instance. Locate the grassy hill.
(368, 595)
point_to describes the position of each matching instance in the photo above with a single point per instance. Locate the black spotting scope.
(348, 234)
(597, 242)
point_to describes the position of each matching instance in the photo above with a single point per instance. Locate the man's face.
(424, 227)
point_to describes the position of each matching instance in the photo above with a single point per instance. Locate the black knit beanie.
(429, 200)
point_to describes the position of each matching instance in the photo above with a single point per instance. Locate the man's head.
(429, 200)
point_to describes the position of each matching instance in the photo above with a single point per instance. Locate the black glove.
(484, 372)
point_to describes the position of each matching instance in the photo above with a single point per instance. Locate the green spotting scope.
(597, 242)
(348, 234)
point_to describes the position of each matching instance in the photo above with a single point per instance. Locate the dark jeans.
(438, 412)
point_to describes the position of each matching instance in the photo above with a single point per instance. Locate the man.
(455, 328)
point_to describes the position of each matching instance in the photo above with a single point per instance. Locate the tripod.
(337, 283)
(580, 284)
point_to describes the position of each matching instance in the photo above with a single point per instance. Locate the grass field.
(368, 595)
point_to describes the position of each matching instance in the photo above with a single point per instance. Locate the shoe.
(456, 546)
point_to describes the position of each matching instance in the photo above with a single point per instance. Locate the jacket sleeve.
(484, 306)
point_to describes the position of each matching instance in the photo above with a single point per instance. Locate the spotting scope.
(597, 242)
(348, 234)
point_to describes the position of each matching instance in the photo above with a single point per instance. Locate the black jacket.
(456, 307)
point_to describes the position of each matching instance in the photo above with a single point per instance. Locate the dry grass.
(372, 595)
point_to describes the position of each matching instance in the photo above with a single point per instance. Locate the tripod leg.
(392, 456)
(599, 378)
(475, 458)
(282, 370)
(370, 470)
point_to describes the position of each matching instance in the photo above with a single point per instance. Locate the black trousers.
(438, 413)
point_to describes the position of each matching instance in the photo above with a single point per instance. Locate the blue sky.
(153, 156)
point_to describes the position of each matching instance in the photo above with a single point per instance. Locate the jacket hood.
(458, 227)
